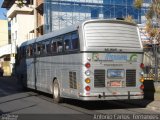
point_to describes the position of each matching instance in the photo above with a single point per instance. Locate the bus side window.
(43, 48)
(34, 49)
(38, 49)
(75, 41)
(48, 47)
(23, 52)
(27, 51)
(31, 50)
(54, 47)
(59, 45)
(67, 42)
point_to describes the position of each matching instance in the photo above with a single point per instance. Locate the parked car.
(1, 72)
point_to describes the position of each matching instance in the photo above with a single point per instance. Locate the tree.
(138, 3)
(20, 3)
(129, 18)
(152, 27)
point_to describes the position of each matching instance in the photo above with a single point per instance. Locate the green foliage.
(152, 16)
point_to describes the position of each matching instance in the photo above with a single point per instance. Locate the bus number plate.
(115, 84)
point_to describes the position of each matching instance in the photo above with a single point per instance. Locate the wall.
(20, 28)
(3, 32)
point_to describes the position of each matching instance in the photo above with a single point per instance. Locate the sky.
(2, 11)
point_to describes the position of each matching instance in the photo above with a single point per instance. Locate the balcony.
(26, 9)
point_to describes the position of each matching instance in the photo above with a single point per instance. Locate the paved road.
(13, 100)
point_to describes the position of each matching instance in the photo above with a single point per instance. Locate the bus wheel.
(56, 92)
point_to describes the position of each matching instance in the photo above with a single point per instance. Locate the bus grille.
(72, 80)
(130, 78)
(99, 78)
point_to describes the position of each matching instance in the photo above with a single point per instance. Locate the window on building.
(94, 13)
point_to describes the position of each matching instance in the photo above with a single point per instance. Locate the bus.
(93, 60)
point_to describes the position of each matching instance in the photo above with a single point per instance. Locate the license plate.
(115, 84)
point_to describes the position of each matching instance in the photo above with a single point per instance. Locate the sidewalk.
(153, 105)
(151, 99)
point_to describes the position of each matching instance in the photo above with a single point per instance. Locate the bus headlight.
(87, 73)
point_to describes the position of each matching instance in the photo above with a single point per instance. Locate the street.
(31, 104)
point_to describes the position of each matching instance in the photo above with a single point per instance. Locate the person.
(1, 71)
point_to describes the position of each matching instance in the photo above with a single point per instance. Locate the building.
(5, 47)
(26, 20)
(3, 32)
(38, 19)
(43, 16)
(59, 14)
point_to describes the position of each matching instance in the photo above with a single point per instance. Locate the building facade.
(5, 47)
(3, 32)
(59, 14)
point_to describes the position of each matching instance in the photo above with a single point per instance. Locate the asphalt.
(150, 104)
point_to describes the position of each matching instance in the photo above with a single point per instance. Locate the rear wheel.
(56, 92)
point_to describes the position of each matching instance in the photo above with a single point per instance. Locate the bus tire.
(56, 92)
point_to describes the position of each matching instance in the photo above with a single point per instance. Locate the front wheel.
(56, 92)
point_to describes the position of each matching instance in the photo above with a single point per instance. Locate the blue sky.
(2, 11)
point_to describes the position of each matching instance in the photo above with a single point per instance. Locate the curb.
(144, 104)
(153, 108)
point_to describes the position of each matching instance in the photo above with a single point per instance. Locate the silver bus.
(93, 60)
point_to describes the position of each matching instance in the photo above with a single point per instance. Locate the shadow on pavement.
(100, 105)
(10, 85)
(1, 112)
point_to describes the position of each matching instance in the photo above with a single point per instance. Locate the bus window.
(23, 52)
(28, 51)
(48, 47)
(54, 47)
(43, 48)
(38, 49)
(67, 42)
(75, 41)
(34, 49)
(31, 50)
(59, 45)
